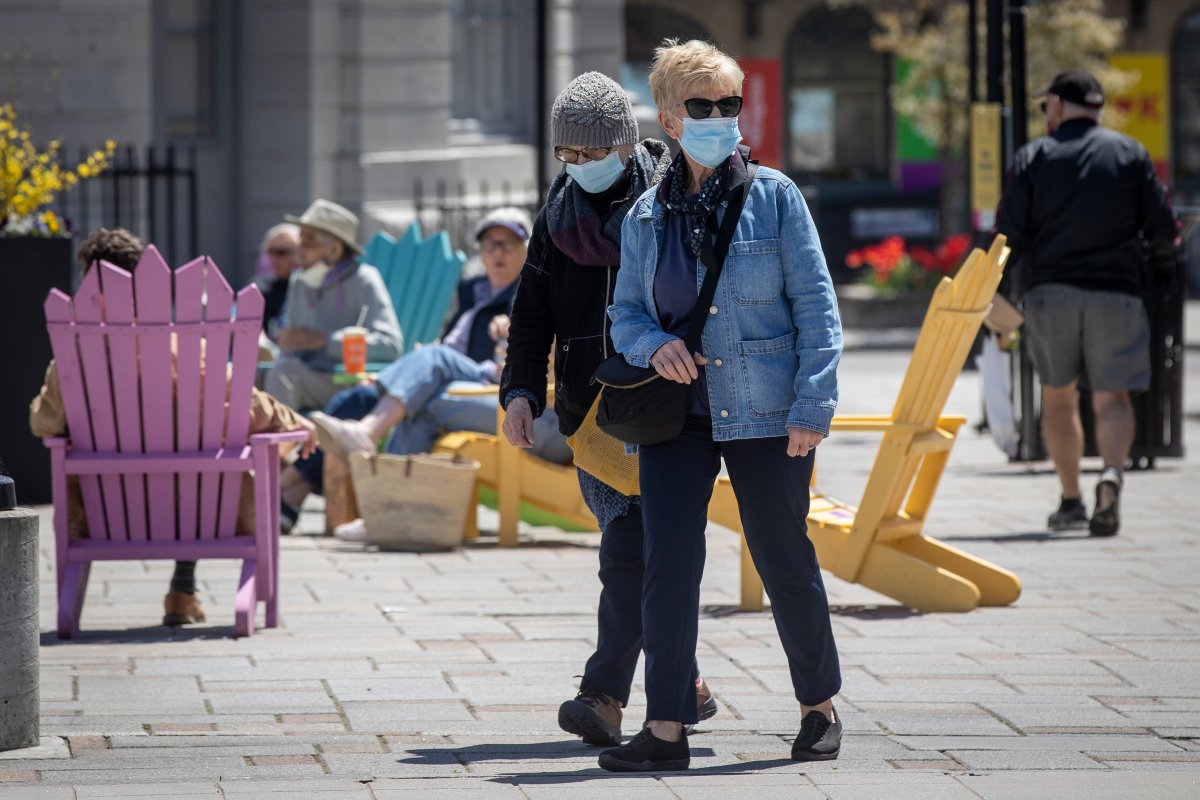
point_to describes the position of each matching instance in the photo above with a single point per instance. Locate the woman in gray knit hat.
(565, 289)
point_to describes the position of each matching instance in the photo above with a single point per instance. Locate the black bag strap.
(713, 257)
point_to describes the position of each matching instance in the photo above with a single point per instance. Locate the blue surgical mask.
(710, 141)
(597, 176)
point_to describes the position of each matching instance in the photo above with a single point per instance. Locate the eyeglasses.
(498, 245)
(569, 155)
(701, 108)
(1042, 105)
(281, 251)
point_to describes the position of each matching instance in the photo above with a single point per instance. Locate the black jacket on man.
(557, 295)
(480, 345)
(1084, 207)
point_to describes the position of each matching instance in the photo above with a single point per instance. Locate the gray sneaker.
(1070, 516)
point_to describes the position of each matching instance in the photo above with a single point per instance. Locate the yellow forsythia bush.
(30, 180)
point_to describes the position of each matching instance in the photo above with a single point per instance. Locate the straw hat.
(332, 219)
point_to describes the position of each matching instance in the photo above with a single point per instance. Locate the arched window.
(645, 28)
(1185, 104)
(838, 119)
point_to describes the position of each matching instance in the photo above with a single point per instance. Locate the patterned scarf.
(698, 207)
(587, 236)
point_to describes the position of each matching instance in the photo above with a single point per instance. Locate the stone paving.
(438, 676)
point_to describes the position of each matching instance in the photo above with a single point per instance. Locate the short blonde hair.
(679, 65)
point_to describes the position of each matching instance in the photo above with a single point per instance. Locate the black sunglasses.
(701, 108)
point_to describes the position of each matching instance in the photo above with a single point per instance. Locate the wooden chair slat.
(152, 291)
(93, 353)
(218, 308)
(189, 360)
(122, 351)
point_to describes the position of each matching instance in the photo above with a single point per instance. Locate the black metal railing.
(456, 207)
(149, 190)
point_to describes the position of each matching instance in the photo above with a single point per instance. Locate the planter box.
(861, 307)
(30, 268)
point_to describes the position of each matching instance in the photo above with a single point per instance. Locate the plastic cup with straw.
(354, 346)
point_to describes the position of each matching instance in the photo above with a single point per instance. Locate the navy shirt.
(675, 295)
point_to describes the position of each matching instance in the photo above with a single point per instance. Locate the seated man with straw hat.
(331, 291)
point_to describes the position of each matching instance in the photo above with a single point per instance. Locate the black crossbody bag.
(638, 406)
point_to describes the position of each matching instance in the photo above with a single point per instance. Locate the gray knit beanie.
(593, 111)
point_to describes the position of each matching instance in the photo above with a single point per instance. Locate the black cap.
(1076, 86)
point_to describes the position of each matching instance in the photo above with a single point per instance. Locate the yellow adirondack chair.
(880, 543)
(517, 476)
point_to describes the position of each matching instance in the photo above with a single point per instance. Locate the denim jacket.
(773, 337)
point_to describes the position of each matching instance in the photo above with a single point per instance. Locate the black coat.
(565, 304)
(1081, 207)
(480, 346)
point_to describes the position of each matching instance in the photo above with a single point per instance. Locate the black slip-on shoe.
(1106, 520)
(647, 753)
(818, 739)
(593, 716)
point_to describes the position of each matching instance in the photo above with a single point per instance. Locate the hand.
(498, 327)
(518, 423)
(801, 441)
(309, 445)
(294, 339)
(672, 362)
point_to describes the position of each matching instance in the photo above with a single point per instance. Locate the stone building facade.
(363, 101)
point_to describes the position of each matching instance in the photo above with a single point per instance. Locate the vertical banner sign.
(1145, 112)
(761, 121)
(986, 177)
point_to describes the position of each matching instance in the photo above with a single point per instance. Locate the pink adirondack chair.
(160, 470)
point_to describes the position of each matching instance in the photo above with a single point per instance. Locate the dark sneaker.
(647, 753)
(593, 716)
(1105, 519)
(1071, 516)
(287, 518)
(818, 739)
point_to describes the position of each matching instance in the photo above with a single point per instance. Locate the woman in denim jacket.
(764, 391)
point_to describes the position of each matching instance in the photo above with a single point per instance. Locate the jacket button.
(724, 413)
(719, 362)
(712, 309)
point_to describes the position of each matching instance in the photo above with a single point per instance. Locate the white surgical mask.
(314, 276)
(711, 140)
(596, 176)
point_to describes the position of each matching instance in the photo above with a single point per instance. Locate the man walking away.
(1085, 211)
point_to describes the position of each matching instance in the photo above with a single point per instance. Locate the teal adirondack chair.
(421, 275)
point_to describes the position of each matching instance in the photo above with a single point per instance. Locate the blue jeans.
(772, 492)
(422, 381)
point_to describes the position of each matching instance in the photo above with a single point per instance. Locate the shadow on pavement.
(594, 773)
(147, 635)
(1028, 536)
(515, 751)
(873, 612)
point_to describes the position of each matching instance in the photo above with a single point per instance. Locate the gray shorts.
(1074, 332)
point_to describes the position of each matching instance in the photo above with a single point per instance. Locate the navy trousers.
(619, 620)
(772, 491)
